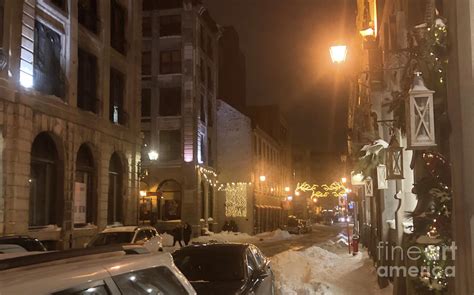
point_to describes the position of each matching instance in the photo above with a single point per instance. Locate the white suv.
(102, 273)
(142, 235)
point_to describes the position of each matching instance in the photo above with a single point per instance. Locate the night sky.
(286, 44)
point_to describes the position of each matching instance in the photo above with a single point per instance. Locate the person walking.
(178, 235)
(187, 231)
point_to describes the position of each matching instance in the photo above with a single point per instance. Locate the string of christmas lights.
(210, 176)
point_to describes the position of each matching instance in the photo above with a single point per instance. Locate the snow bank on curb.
(224, 236)
(316, 271)
(305, 272)
(275, 235)
(238, 237)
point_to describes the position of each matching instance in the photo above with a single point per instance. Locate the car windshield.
(292, 222)
(111, 238)
(28, 244)
(210, 264)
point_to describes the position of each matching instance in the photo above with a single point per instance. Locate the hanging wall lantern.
(382, 182)
(394, 159)
(369, 187)
(421, 128)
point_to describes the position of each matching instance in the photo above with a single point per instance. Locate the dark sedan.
(225, 269)
(21, 243)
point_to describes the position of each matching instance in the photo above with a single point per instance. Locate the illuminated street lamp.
(153, 155)
(343, 180)
(338, 53)
(289, 198)
(297, 193)
(287, 189)
(263, 178)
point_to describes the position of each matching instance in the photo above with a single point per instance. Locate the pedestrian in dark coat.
(178, 235)
(187, 231)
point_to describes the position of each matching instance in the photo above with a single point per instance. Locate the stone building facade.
(179, 85)
(69, 118)
(251, 174)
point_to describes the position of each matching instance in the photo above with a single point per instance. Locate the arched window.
(169, 203)
(115, 200)
(203, 201)
(210, 209)
(85, 193)
(46, 182)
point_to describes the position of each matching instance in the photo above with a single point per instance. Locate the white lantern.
(421, 129)
(382, 182)
(357, 178)
(369, 187)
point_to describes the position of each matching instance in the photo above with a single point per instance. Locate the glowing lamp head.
(343, 180)
(142, 194)
(153, 155)
(338, 53)
(315, 200)
(289, 198)
(263, 178)
(297, 193)
(287, 189)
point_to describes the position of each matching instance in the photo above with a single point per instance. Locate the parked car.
(100, 273)
(9, 244)
(225, 269)
(294, 225)
(144, 235)
(328, 220)
(306, 226)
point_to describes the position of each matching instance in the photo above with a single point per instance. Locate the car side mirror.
(260, 274)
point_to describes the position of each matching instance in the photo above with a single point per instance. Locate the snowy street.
(312, 263)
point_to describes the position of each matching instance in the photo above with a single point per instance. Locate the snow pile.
(305, 272)
(237, 237)
(224, 236)
(316, 271)
(166, 240)
(275, 235)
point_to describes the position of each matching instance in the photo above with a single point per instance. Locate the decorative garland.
(335, 189)
(432, 224)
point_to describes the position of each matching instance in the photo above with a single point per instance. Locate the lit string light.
(335, 189)
(235, 199)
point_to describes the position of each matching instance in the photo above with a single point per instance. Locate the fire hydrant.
(355, 244)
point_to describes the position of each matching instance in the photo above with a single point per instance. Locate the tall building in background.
(70, 145)
(253, 187)
(179, 78)
(232, 73)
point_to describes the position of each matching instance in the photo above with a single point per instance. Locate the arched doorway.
(46, 183)
(85, 192)
(169, 204)
(115, 199)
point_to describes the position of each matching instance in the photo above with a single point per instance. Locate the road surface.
(320, 234)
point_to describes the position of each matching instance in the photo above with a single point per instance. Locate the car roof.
(16, 237)
(215, 246)
(67, 273)
(126, 228)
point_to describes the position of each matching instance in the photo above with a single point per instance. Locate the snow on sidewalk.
(316, 271)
